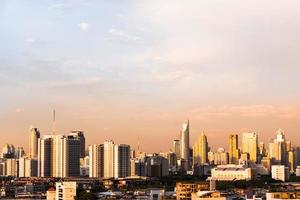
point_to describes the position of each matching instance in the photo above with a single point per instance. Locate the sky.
(135, 70)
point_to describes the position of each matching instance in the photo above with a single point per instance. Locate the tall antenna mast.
(138, 145)
(53, 123)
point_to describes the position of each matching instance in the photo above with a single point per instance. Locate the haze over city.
(125, 70)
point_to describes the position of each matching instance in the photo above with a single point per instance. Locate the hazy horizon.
(124, 70)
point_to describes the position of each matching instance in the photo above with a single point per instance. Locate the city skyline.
(185, 126)
(124, 70)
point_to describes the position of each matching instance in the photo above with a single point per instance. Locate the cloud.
(83, 26)
(121, 35)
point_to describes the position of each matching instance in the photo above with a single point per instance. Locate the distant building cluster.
(67, 156)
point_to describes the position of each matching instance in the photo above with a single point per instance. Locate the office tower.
(176, 148)
(27, 167)
(221, 157)
(19, 153)
(58, 156)
(278, 149)
(132, 153)
(81, 138)
(262, 149)
(34, 135)
(297, 156)
(65, 156)
(172, 159)
(65, 190)
(45, 156)
(280, 172)
(250, 145)
(137, 167)
(244, 159)
(200, 150)
(266, 163)
(71, 154)
(291, 161)
(8, 151)
(185, 143)
(233, 149)
(11, 167)
(156, 166)
(121, 161)
(211, 158)
(21, 167)
(109, 159)
(96, 160)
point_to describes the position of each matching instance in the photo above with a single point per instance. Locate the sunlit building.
(233, 149)
(185, 144)
(96, 160)
(280, 172)
(34, 135)
(250, 145)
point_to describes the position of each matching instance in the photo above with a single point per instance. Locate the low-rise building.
(184, 190)
(283, 196)
(231, 172)
(65, 190)
(298, 171)
(208, 195)
(280, 172)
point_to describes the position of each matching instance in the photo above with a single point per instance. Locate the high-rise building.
(121, 161)
(233, 149)
(27, 167)
(221, 157)
(96, 160)
(250, 145)
(291, 161)
(137, 167)
(176, 148)
(11, 168)
(71, 154)
(81, 138)
(278, 149)
(58, 164)
(200, 150)
(45, 156)
(34, 135)
(108, 159)
(172, 159)
(59, 156)
(156, 166)
(185, 143)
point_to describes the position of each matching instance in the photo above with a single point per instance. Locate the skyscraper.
(81, 138)
(200, 150)
(278, 149)
(58, 166)
(250, 145)
(233, 149)
(185, 143)
(109, 159)
(45, 156)
(34, 135)
(121, 161)
(71, 154)
(96, 160)
(176, 148)
(59, 156)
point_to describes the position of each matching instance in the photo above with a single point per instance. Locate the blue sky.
(143, 67)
